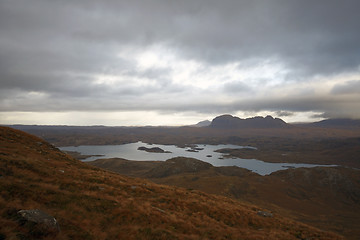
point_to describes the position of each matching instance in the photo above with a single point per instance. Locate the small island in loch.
(153, 150)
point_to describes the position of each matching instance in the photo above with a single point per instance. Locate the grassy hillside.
(90, 203)
(328, 198)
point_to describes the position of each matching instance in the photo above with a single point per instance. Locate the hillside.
(328, 198)
(90, 203)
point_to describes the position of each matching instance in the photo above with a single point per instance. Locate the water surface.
(207, 154)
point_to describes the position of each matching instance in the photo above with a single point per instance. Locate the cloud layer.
(199, 58)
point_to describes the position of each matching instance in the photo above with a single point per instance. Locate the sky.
(167, 62)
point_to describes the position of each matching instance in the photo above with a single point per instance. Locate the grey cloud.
(334, 107)
(322, 115)
(180, 102)
(349, 87)
(56, 48)
(310, 36)
(208, 29)
(237, 88)
(284, 113)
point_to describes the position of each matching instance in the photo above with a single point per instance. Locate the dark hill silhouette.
(204, 123)
(229, 121)
(337, 122)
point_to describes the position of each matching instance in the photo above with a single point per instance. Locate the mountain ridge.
(204, 123)
(337, 122)
(229, 121)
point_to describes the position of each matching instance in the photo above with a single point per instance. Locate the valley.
(89, 203)
(327, 198)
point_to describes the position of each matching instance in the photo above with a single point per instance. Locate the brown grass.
(327, 198)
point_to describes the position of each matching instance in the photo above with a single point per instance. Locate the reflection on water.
(202, 152)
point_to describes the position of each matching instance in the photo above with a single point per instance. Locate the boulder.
(39, 223)
(264, 214)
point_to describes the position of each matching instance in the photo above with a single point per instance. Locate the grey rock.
(38, 222)
(264, 214)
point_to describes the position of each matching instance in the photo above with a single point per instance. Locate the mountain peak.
(204, 123)
(229, 121)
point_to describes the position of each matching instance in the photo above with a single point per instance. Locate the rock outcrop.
(39, 223)
(264, 214)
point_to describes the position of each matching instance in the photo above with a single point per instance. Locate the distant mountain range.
(229, 121)
(204, 123)
(337, 122)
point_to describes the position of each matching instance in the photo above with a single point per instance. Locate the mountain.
(229, 121)
(204, 123)
(90, 203)
(337, 122)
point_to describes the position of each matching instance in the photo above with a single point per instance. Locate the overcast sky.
(171, 62)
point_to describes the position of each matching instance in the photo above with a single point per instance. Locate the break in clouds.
(191, 57)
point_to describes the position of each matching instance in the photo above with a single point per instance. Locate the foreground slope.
(90, 203)
(325, 197)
